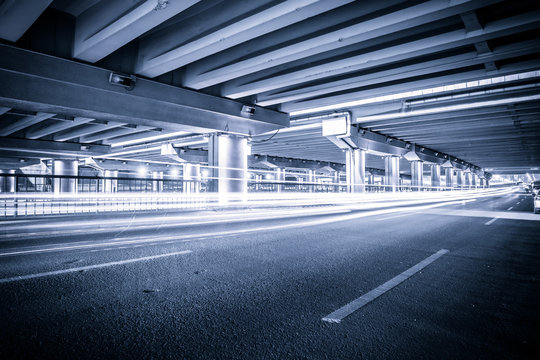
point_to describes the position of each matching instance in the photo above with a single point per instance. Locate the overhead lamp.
(125, 81)
(248, 111)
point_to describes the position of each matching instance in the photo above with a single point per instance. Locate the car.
(537, 204)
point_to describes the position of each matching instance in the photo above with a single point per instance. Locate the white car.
(537, 204)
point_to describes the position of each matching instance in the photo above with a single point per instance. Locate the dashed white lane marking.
(354, 305)
(491, 221)
(90, 267)
(514, 215)
(510, 208)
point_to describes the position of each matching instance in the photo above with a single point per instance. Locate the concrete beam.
(51, 147)
(161, 55)
(368, 29)
(401, 73)
(16, 16)
(58, 127)
(85, 130)
(45, 83)
(109, 25)
(110, 133)
(438, 43)
(24, 123)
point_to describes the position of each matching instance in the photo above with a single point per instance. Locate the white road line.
(491, 221)
(354, 305)
(510, 208)
(510, 215)
(395, 216)
(90, 267)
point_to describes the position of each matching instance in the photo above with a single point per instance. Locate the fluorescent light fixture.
(408, 94)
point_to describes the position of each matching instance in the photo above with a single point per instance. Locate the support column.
(7, 183)
(311, 180)
(336, 180)
(280, 177)
(474, 179)
(435, 177)
(355, 166)
(417, 175)
(467, 175)
(157, 186)
(391, 173)
(370, 179)
(460, 180)
(192, 178)
(227, 159)
(109, 185)
(65, 167)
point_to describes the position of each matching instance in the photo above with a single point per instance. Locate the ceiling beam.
(56, 127)
(25, 122)
(107, 134)
(85, 130)
(16, 16)
(403, 73)
(170, 53)
(437, 43)
(51, 148)
(109, 25)
(368, 29)
(45, 83)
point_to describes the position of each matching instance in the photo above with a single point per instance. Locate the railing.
(49, 194)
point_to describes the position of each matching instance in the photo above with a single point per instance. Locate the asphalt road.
(257, 284)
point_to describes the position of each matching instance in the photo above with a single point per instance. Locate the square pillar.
(355, 166)
(391, 173)
(227, 159)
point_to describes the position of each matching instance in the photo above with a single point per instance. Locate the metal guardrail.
(36, 194)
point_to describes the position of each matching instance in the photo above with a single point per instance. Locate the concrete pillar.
(336, 181)
(279, 179)
(109, 185)
(7, 183)
(370, 180)
(460, 180)
(355, 165)
(391, 173)
(449, 174)
(227, 159)
(192, 178)
(417, 175)
(65, 168)
(311, 180)
(157, 186)
(474, 180)
(435, 176)
(467, 176)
